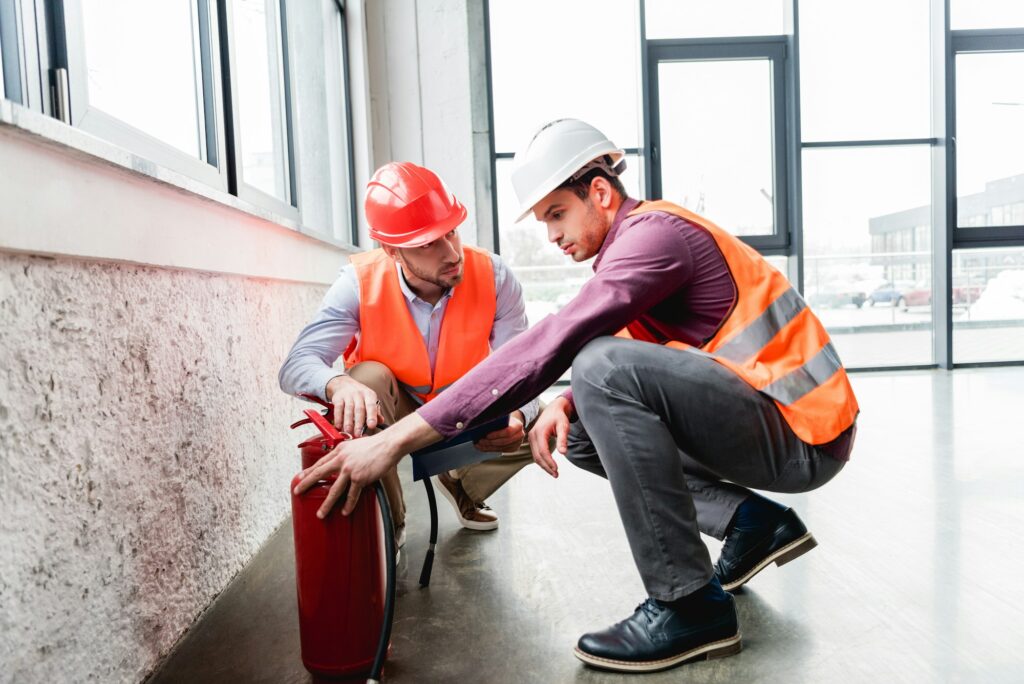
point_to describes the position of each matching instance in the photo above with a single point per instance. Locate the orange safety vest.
(772, 340)
(388, 333)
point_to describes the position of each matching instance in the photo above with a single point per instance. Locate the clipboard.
(455, 452)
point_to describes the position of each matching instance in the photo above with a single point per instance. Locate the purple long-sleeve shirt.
(655, 267)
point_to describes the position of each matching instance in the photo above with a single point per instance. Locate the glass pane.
(338, 126)
(702, 18)
(988, 305)
(867, 246)
(10, 60)
(260, 91)
(716, 158)
(542, 54)
(549, 278)
(990, 139)
(143, 68)
(986, 14)
(850, 92)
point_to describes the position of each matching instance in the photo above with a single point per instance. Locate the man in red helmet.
(410, 319)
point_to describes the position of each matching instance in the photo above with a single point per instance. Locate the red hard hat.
(408, 206)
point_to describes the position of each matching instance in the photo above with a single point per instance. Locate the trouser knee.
(374, 375)
(581, 452)
(593, 364)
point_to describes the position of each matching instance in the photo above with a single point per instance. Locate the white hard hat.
(557, 152)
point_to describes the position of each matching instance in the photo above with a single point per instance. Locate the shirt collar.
(412, 296)
(628, 205)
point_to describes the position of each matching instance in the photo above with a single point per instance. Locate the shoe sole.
(715, 649)
(468, 524)
(780, 557)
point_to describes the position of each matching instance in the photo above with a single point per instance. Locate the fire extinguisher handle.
(389, 595)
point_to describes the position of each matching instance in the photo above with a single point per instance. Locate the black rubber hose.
(428, 562)
(389, 592)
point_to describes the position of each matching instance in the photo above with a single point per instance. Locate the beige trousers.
(480, 480)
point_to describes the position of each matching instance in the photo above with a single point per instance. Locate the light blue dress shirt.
(310, 363)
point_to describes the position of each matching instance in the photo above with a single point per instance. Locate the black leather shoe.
(656, 637)
(748, 551)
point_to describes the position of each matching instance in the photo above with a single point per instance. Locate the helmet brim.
(425, 235)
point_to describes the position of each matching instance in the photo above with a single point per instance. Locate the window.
(988, 305)
(261, 104)
(142, 75)
(875, 303)
(322, 133)
(986, 14)
(718, 159)
(200, 88)
(864, 70)
(859, 128)
(714, 18)
(989, 138)
(547, 78)
(10, 53)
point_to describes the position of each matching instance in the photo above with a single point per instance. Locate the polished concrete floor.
(917, 577)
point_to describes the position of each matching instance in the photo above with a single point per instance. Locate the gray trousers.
(667, 428)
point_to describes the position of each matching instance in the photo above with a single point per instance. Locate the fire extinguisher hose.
(389, 595)
(428, 562)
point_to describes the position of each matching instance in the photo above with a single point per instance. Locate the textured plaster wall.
(144, 455)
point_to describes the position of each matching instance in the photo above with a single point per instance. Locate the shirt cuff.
(567, 395)
(530, 412)
(320, 380)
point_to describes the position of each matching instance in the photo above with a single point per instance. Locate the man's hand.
(553, 422)
(355, 405)
(358, 463)
(507, 439)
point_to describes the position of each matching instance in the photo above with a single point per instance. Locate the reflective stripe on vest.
(773, 341)
(389, 335)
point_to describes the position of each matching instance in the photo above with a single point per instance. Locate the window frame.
(236, 179)
(968, 42)
(70, 55)
(346, 75)
(772, 48)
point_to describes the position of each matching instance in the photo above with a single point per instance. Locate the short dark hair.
(581, 186)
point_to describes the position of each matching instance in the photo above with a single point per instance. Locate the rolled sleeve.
(309, 365)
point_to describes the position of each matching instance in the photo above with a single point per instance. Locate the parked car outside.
(904, 294)
(836, 295)
(891, 293)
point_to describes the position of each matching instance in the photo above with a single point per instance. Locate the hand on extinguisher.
(355, 405)
(358, 463)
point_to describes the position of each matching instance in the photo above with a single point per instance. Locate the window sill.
(62, 150)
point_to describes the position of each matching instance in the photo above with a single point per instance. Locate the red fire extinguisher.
(344, 569)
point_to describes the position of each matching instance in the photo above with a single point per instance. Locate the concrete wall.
(146, 455)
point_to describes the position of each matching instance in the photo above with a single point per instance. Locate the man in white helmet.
(720, 379)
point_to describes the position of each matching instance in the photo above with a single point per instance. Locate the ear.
(601, 192)
(392, 252)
